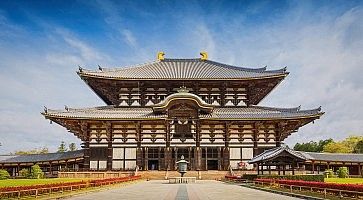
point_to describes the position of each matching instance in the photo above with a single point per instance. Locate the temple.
(201, 109)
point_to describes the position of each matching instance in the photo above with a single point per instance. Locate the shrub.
(329, 173)
(4, 174)
(249, 176)
(343, 172)
(302, 177)
(25, 173)
(36, 172)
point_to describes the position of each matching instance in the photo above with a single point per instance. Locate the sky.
(42, 43)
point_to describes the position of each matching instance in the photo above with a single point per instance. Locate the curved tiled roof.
(312, 156)
(183, 69)
(337, 157)
(33, 158)
(144, 113)
(274, 152)
(183, 94)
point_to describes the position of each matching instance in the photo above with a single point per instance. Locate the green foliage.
(25, 173)
(312, 146)
(302, 177)
(4, 174)
(36, 172)
(62, 147)
(358, 147)
(329, 173)
(249, 176)
(42, 150)
(72, 146)
(351, 144)
(343, 172)
(336, 147)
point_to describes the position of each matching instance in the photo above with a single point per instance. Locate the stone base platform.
(182, 179)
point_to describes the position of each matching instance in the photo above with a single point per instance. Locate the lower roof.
(270, 154)
(34, 158)
(146, 113)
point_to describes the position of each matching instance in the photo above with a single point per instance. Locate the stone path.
(202, 190)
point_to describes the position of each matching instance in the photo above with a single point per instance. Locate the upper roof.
(33, 158)
(220, 113)
(178, 69)
(311, 156)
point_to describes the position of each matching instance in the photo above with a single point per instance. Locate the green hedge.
(4, 174)
(302, 177)
(249, 176)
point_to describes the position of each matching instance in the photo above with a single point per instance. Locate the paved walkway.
(202, 190)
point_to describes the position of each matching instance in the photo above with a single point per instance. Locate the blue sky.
(43, 42)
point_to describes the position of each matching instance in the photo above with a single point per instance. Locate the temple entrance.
(212, 164)
(153, 165)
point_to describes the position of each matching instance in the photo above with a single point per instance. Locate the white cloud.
(322, 51)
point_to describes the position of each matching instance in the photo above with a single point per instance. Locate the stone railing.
(182, 179)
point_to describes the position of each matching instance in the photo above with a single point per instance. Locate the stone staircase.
(201, 175)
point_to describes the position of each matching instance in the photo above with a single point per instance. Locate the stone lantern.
(182, 166)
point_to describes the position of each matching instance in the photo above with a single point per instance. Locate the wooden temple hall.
(156, 112)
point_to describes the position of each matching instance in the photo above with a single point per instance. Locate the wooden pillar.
(206, 158)
(18, 170)
(258, 169)
(328, 165)
(159, 158)
(255, 138)
(313, 166)
(262, 168)
(175, 156)
(359, 169)
(190, 158)
(269, 169)
(50, 168)
(293, 168)
(66, 164)
(284, 169)
(226, 161)
(108, 127)
(86, 140)
(278, 168)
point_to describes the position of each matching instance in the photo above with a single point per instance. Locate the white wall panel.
(118, 153)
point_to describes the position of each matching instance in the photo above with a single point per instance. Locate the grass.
(344, 180)
(22, 182)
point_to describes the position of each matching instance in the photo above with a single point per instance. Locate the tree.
(336, 147)
(352, 141)
(343, 172)
(308, 147)
(322, 143)
(4, 174)
(42, 150)
(358, 148)
(62, 147)
(72, 146)
(36, 172)
(24, 173)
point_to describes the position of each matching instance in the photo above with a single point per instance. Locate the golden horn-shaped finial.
(204, 55)
(161, 56)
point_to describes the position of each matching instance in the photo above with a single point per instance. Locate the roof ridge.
(228, 66)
